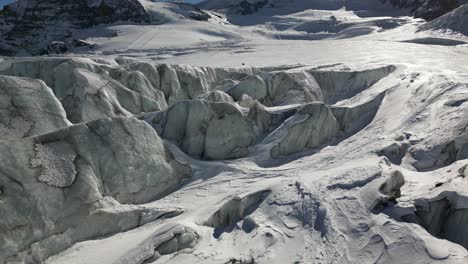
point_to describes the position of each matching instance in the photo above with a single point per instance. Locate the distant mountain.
(426, 9)
(30, 25)
(455, 21)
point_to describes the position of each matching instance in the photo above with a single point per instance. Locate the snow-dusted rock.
(57, 47)
(65, 186)
(28, 107)
(455, 21)
(51, 21)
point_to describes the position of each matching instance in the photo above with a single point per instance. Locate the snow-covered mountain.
(275, 132)
(30, 25)
(427, 9)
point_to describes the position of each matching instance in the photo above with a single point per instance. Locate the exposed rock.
(192, 11)
(57, 47)
(28, 107)
(50, 20)
(455, 21)
(54, 185)
(78, 43)
(432, 9)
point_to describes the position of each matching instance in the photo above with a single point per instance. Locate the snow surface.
(321, 204)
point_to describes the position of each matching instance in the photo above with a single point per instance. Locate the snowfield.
(296, 133)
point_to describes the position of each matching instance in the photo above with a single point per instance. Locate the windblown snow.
(233, 132)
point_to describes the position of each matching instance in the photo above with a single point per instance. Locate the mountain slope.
(426, 9)
(30, 25)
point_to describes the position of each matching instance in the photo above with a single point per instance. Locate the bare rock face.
(63, 187)
(54, 19)
(432, 9)
(456, 20)
(28, 107)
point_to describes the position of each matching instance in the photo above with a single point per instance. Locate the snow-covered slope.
(427, 9)
(312, 135)
(29, 26)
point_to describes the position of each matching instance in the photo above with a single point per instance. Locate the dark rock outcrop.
(27, 23)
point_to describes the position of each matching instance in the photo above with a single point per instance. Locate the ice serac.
(354, 118)
(205, 129)
(337, 85)
(285, 88)
(217, 97)
(28, 107)
(312, 126)
(253, 86)
(166, 240)
(65, 186)
(87, 90)
(445, 216)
